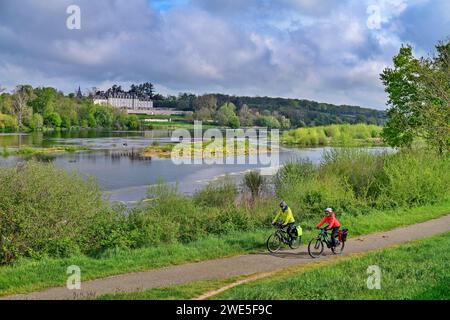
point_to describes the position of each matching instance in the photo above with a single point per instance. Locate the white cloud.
(292, 48)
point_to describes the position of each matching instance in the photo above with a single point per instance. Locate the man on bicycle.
(285, 213)
(333, 224)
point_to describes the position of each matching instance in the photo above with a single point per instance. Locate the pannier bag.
(299, 231)
(342, 235)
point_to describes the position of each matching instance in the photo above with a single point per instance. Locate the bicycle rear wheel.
(273, 243)
(315, 248)
(339, 248)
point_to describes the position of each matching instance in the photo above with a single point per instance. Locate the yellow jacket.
(286, 216)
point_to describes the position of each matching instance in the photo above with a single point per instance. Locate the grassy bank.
(418, 270)
(334, 135)
(26, 275)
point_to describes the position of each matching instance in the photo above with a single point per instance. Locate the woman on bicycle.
(333, 224)
(285, 213)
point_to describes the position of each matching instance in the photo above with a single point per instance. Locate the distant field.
(160, 116)
(176, 121)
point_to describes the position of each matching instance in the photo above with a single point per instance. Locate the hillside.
(300, 112)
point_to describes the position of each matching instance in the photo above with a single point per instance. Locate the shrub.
(360, 169)
(8, 123)
(293, 172)
(415, 177)
(254, 182)
(44, 210)
(219, 193)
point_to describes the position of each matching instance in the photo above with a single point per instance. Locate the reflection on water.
(122, 173)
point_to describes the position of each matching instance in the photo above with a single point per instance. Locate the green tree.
(133, 122)
(44, 100)
(53, 119)
(8, 123)
(6, 104)
(226, 115)
(37, 122)
(268, 122)
(104, 117)
(418, 91)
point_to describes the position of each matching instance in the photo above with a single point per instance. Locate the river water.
(123, 175)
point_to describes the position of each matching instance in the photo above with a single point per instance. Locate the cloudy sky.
(324, 50)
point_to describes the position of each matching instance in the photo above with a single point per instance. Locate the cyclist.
(285, 213)
(333, 224)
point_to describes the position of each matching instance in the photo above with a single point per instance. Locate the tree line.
(30, 109)
(271, 112)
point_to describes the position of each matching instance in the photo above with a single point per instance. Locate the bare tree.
(20, 101)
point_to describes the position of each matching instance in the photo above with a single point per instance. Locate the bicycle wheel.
(297, 243)
(339, 248)
(273, 243)
(315, 247)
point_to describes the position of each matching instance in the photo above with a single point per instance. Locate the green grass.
(185, 291)
(27, 275)
(175, 117)
(175, 125)
(27, 151)
(418, 270)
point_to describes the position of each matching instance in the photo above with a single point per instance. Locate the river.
(122, 174)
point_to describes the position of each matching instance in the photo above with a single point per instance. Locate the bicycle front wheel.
(315, 248)
(273, 243)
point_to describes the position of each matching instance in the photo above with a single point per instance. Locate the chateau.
(129, 102)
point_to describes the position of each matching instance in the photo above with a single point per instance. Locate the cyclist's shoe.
(292, 243)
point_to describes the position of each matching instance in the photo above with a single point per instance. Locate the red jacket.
(332, 221)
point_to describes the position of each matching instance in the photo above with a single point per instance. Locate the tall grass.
(254, 182)
(353, 181)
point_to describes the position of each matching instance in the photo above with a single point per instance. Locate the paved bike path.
(234, 266)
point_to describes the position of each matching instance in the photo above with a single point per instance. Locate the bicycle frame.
(323, 235)
(283, 235)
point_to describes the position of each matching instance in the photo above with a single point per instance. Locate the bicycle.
(316, 245)
(280, 237)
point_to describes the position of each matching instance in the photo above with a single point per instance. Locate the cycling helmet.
(328, 210)
(283, 205)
